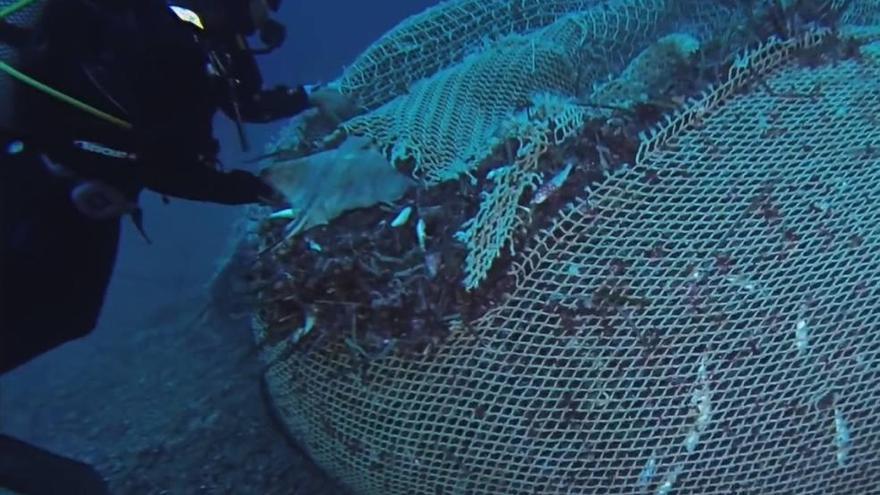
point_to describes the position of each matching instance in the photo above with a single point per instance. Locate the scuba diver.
(112, 97)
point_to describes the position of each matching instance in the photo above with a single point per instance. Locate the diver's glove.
(281, 101)
(276, 103)
(256, 188)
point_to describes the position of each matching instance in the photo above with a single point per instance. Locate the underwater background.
(158, 403)
(688, 304)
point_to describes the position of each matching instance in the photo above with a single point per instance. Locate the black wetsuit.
(137, 61)
(142, 64)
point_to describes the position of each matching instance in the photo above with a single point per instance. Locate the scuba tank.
(94, 199)
(14, 15)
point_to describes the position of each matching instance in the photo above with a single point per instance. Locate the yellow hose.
(15, 7)
(16, 74)
(61, 96)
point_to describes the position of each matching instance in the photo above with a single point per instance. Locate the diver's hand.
(271, 196)
(275, 200)
(259, 190)
(333, 105)
(272, 104)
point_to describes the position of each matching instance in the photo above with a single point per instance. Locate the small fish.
(498, 172)
(551, 186)
(690, 442)
(421, 233)
(842, 437)
(402, 217)
(669, 480)
(283, 215)
(314, 246)
(648, 472)
(304, 330)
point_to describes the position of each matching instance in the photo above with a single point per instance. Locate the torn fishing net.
(691, 300)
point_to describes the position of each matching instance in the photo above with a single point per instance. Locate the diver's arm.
(199, 182)
(271, 105)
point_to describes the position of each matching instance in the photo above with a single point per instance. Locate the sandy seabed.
(174, 407)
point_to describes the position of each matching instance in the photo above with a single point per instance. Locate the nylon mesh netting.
(447, 124)
(862, 12)
(429, 42)
(703, 322)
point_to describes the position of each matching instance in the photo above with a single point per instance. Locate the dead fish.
(548, 188)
